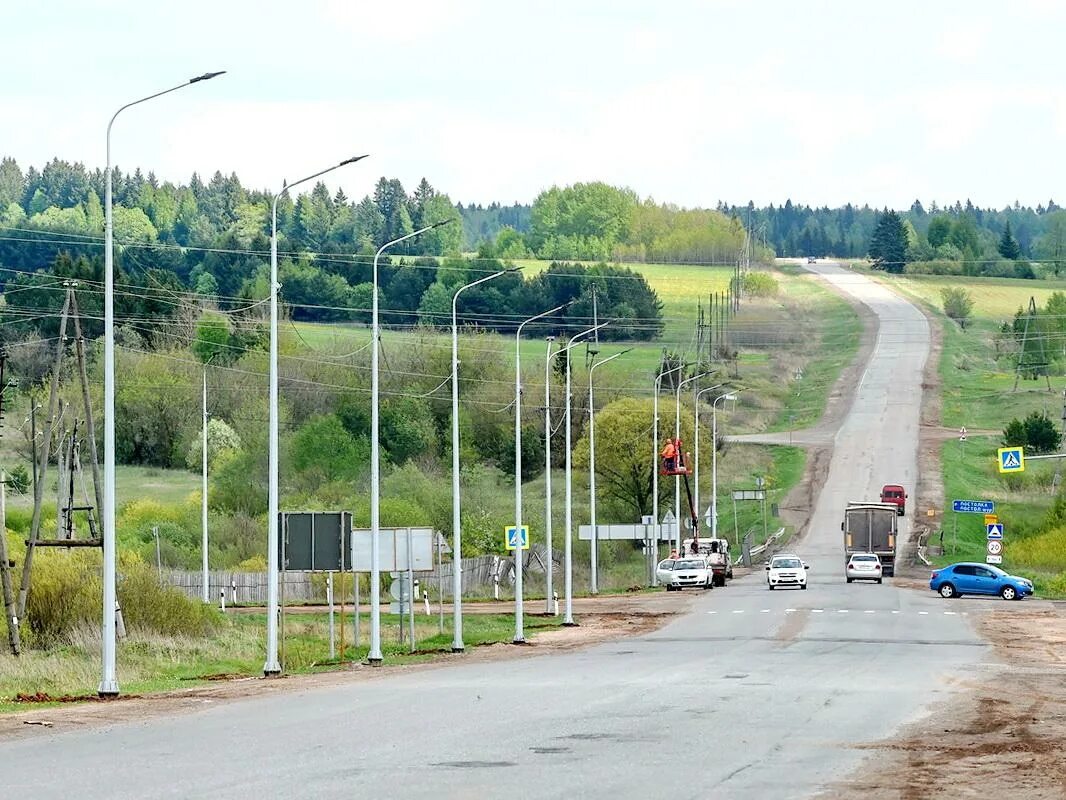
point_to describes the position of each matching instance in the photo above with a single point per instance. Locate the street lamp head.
(442, 223)
(729, 397)
(549, 338)
(206, 76)
(352, 160)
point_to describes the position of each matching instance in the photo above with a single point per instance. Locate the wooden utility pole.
(41, 467)
(7, 588)
(90, 428)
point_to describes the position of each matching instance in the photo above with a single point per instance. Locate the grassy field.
(156, 663)
(978, 393)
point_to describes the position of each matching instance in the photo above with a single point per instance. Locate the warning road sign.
(1011, 459)
(995, 530)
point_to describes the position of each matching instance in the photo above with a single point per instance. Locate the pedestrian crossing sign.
(513, 536)
(1011, 459)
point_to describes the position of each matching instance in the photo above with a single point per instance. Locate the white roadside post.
(714, 461)
(374, 653)
(568, 618)
(457, 536)
(519, 632)
(696, 436)
(272, 667)
(548, 563)
(655, 464)
(108, 676)
(677, 435)
(594, 547)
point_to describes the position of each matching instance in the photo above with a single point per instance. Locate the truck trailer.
(871, 528)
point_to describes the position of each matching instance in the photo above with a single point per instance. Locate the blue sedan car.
(968, 578)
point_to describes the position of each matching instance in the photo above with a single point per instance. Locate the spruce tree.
(1008, 245)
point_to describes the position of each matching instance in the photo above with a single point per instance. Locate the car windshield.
(786, 563)
(864, 558)
(690, 563)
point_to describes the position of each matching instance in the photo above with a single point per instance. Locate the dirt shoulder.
(1005, 737)
(599, 619)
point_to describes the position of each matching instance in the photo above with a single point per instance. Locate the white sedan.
(786, 570)
(677, 573)
(863, 567)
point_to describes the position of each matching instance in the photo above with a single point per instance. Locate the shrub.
(220, 438)
(1045, 551)
(151, 608)
(958, 304)
(64, 595)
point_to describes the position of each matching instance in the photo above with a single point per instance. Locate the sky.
(684, 102)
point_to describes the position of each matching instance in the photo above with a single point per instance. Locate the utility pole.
(10, 614)
(203, 500)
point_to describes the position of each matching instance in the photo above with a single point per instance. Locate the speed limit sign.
(994, 547)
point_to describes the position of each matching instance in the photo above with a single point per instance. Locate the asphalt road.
(753, 694)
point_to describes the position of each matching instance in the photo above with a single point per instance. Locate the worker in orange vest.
(669, 455)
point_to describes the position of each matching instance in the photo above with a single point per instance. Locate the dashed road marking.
(842, 610)
(817, 610)
(895, 611)
(738, 610)
(765, 611)
(949, 613)
(923, 613)
(869, 611)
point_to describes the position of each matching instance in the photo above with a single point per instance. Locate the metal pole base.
(570, 624)
(374, 662)
(108, 690)
(271, 669)
(517, 640)
(458, 649)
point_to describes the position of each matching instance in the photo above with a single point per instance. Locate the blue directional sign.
(517, 538)
(973, 506)
(995, 530)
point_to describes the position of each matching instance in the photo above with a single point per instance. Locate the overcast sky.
(687, 102)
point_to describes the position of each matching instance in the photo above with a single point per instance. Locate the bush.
(958, 304)
(151, 608)
(1045, 551)
(759, 284)
(1036, 433)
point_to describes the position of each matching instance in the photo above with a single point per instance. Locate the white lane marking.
(765, 611)
(923, 613)
(738, 610)
(896, 611)
(712, 612)
(789, 610)
(817, 610)
(842, 611)
(950, 613)
(869, 611)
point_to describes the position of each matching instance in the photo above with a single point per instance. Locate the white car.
(677, 573)
(863, 567)
(786, 570)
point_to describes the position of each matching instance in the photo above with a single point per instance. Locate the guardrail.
(760, 548)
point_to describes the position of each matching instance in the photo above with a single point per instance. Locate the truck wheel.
(947, 590)
(1008, 593)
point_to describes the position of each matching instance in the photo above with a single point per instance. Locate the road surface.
(752, 694)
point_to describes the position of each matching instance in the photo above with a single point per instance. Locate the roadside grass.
(978, 392)
(150, 663)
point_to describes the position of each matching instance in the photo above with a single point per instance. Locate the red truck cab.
(893, 493)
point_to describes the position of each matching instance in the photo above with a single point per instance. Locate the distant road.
(752, 694)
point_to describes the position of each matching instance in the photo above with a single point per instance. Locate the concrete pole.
(714, 462)
(203, 498)
(457, 536)
(568, 581)
(677, 435)
(696, 436)
(594, 550)
(655, 460)
(374, 656)
(548, 478)
(519, 632)
(272, 666)
(108, 676)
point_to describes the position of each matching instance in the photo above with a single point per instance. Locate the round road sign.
(995, 547)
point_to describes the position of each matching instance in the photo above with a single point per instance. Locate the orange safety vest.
(669, 451)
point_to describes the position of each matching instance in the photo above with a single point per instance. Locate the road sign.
(516, 539)
(1011, 459)
(962, 434)
(995, 547)
(995, 530)
(662, 533)
(991, 519)
(749, 494)
(392, 549)
(669, 518)
(973, 506)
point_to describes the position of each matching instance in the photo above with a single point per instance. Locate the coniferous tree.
(1008, 245)
(888, 245)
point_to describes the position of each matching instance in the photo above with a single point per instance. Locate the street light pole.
(548, 604)
(594, 550)
(568, 619)
(696, 436)
(677, 435)
(272, 667)
(655, 461)
(205, 595)
(374, 653)
(714, 461)
(519, 632)
(457, 536)
(108, 676)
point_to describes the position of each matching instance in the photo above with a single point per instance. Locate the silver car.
(863, 567)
